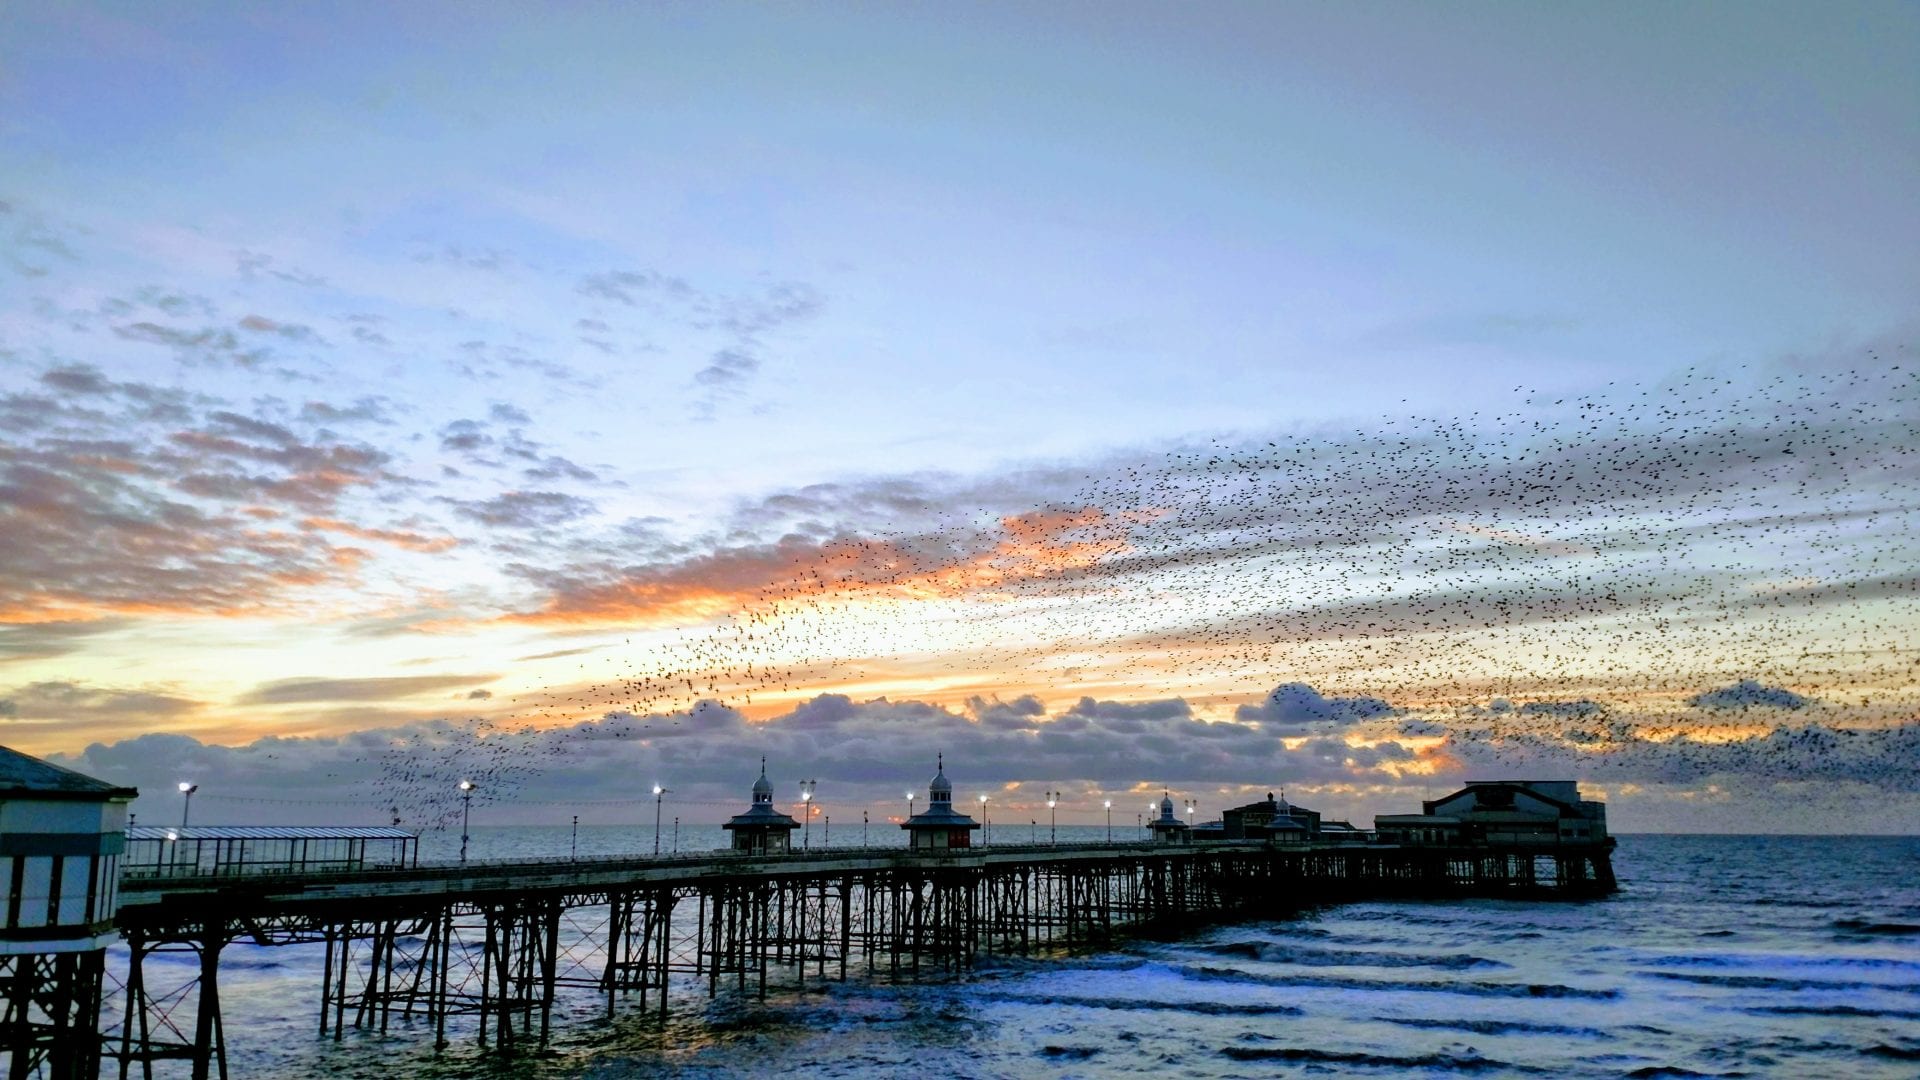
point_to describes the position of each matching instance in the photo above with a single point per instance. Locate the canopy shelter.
(225, 850)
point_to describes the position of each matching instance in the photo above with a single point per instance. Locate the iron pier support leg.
(549, 970)
(209, 1043)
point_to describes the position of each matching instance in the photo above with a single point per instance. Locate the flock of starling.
(1575, 573)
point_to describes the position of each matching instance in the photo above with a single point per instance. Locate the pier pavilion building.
(939, 826)
(61, 838)
(1168, 828)
(762, 830)
(1501, 812)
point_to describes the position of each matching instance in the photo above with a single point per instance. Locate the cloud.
(45, 640)
(402, 538)
(294, 691)
(61, 700)
(1884, 758)
(79, 379)
(1298, 709)
(525, 509)
(1748, 694)
(629, 286)
(727, 368)
(1562, 709)
(170, 490)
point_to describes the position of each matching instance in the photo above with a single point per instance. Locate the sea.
(1721, 956)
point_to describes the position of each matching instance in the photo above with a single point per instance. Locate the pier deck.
(490, 945)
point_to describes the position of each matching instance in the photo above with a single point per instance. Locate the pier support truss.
(486, 956)
(50, 1013)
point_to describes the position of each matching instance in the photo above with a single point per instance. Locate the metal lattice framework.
(484, 952)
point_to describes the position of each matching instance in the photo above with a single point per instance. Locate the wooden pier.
(491, 946)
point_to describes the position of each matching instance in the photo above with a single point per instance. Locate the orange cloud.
(1032, 546)
(411, 541)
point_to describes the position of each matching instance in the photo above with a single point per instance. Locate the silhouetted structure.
(1523, 812)
(762, 830)
(939, 827)
(61, 838)
(1274, 819)
(1168, 828)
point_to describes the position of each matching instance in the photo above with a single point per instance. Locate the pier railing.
(483, 950)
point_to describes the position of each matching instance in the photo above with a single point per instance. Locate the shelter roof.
(25, 776)
(761, 816)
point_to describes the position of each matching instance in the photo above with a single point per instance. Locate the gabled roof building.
(1502, 812)
(1273, 819)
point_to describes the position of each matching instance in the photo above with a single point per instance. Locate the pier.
(493, 945)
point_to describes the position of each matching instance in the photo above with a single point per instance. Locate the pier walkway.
(481, 950)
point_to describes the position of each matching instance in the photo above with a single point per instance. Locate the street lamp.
(659, 793)
(987, 818)
(1191, 807)
(909, 806)
(1053, 825)
(1109, 821)
(466, 814)
(806, 812)
(187, 790)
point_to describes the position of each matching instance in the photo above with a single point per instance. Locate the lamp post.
(806, 812)
(1053, 822)
(186, 806)
(659, 793)
(573, 852)
(988, 818)
(676, 836)
(863, 828)
(1191, 807)
(1109, 821)
(466, 815)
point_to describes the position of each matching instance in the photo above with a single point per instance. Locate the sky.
(1118, 398)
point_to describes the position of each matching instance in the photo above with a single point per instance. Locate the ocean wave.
(1334, 982)
(1876, 929)
(1833, 1010)
(1202, 1008)
(1304, 1055)
(1659, 1071)
(1749, 960)
(1494, 1027)
(1776, 982)
(1307, 956)
(1892, 1053)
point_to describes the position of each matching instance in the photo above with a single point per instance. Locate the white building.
(1501, 812)
(61, 838)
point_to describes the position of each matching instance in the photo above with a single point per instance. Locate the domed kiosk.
(762, 830)
(939, 827)
(1168, 828)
